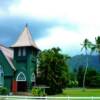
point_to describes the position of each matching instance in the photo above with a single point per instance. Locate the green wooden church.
(18, 63)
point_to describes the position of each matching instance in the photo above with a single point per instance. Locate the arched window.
(1, 76)
(21, 77)
(33, 79)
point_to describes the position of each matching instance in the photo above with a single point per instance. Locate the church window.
(19, 52)
(24, 51)
(21, 77)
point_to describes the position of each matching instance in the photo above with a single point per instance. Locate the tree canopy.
(54, 70)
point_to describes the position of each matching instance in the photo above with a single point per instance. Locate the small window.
(19, 52)
(24, 51)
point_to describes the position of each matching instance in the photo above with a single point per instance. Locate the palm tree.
(96, 46)
(86, 45)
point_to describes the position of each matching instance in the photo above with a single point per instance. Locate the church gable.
(8, 54)
(7, 69)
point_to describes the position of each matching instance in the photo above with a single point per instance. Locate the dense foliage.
(4, 91)
(92, 77)
(53, 69)
(93, 47)
(38, 92)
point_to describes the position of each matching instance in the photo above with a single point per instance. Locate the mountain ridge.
(80, 60)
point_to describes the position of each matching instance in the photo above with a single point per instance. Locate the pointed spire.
(26, 25)
(25, 39)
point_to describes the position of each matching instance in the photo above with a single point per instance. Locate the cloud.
(74, 10)
(60, 37)
(69, 41)
(4, 4)
(4, 7)
(64, 23)
(82, 13)
(11, 27)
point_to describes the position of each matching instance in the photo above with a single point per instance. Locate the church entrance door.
(21, 82)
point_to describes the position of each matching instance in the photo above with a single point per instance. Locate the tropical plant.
(92, 77)
(96, 46)
(86, 45)
(53, 69)
(4, 91)
(80, 74)
(38, 91)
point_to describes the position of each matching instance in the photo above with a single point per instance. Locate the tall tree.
(96, 46)
(80, 74)
(54, 70)
(86, 45)
(92, 77)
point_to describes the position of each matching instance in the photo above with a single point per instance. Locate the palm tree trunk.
(84, 78)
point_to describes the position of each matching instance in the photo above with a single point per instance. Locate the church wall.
(8, 82)
(8, 71)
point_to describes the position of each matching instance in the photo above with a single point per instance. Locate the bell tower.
(25, 60)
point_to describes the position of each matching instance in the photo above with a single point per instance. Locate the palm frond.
(93, 49)
(86, 44)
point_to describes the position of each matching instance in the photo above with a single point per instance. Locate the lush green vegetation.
(87, 77)
(79, 92)
(4, 91)
(38, 92)
(53, 69)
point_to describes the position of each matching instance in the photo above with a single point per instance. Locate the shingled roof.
(25, 39)
(8, 53)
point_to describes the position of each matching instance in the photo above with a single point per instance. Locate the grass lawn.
(77, 92)
(80, 92)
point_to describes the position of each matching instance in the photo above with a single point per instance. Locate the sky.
(53, 23)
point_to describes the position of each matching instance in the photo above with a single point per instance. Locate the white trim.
(21, 73)
(50, 97)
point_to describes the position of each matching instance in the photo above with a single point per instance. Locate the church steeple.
(25, 39)
(26, 25)
(25, 58)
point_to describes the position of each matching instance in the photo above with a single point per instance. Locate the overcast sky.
(63, 23)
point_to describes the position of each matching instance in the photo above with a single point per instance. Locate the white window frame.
(18, 79)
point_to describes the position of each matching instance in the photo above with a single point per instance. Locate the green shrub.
(38, 92)
(73, 83)
(4, 91)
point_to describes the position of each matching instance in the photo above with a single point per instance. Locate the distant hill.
(80, 60)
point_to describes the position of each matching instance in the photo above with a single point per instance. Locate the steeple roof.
(25, 39)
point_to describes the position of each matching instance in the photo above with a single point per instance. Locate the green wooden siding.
(26, 64)
(1, 76)
(8, 71)
(8, 82)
